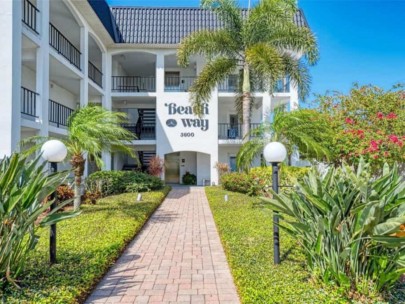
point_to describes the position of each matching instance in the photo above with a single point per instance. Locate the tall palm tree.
(303, 129)
(91, 130)
(262, 43)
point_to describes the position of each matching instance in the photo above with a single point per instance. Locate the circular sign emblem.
(171, 123)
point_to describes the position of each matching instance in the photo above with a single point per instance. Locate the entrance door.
(172, 168)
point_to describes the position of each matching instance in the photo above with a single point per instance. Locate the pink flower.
(393, 138)
(392, 116)
(373, 146)
(386, 153)
(380, 115)
(349, 121)
(375, 156)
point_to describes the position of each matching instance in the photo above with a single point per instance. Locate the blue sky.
(359, 41)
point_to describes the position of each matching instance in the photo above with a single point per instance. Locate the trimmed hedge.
(259, 179)
(87, 246)
(246, 232)
(116, 182)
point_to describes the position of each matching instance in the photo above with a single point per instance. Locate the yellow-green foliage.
(87, 246)
(246, 234)
(259, 179)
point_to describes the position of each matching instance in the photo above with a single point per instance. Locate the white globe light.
(54, 151)
(275, 152)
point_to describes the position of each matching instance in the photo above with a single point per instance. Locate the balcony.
(30, 15)
(95, 75)
(133, 84)
(231, 85)
(178, 84)
(59, 114)
(28, 102)
(64, 47)
(233, 131)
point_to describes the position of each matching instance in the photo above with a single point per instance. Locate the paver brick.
(176, 258)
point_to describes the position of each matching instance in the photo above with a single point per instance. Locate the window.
(232, 163)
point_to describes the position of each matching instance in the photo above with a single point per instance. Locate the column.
(84, 82)
(42, 74)
(10, 75)
(266, 107)
(160, 73)
(294, 97)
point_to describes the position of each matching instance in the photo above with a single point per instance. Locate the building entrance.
(172, 168)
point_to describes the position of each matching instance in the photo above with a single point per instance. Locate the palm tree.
(91, 130)
(303, 129)
(262, 43)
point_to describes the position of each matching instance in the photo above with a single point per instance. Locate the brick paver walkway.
(177, 258)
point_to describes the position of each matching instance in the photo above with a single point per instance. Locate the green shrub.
(237, 182)
(350, 225)
(259, 180)
(116, 182)
(246, 233)
(87, 247)
(189, 179)
(24, 188)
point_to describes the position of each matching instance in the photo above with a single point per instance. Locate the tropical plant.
(24, 188)
(302, 129)
(189, 179)
(369, 122)
(116, 182)
(261, 44)
(350, 225)
(156, 165)
(91, 131)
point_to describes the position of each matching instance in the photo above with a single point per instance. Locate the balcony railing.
(233, 131)
(142, 132)
(231, 85)
(95, 74)
(133, 84)
(59, 114)
(178, 84)
(28, 102)
(63, 46)
(30, 15)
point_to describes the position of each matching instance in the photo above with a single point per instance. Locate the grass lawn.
(246, 231)
(87, 246)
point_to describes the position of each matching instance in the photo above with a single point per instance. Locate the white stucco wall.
(63, 96)
(188, 163)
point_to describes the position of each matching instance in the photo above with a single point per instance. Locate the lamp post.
(53, 151)
(275, 153)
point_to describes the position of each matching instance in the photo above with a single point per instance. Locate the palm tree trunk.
(77, 163)
(246, 103)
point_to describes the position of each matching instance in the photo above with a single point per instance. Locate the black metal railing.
(63, 46)
(95, 74)
(178, 84)
(233, 131)
(133, 84)
(28, 102)
(142, 132)
(231, 85)
(59, 114)
(30, 15)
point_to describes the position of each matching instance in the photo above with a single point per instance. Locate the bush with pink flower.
(368, 123)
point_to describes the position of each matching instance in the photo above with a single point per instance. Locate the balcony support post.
(160, 73)
(10, 75)
(84, 82)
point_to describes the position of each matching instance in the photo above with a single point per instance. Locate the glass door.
(172, 168)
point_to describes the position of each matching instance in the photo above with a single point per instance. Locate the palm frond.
(249, 152)
(208, 43)
(266, 61)
(229, 13)
(299, 75)
(93, 129)
(212, 73)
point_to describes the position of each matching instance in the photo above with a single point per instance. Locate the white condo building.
(58, 55)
